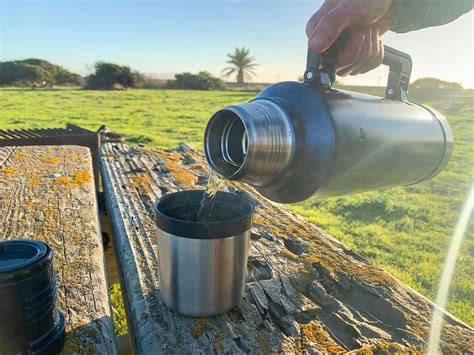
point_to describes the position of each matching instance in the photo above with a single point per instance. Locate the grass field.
(404, 230)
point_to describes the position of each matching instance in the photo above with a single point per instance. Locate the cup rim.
(205, 230)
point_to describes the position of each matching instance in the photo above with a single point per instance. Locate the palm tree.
(241, 63)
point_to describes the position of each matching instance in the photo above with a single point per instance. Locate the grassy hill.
(404, 230)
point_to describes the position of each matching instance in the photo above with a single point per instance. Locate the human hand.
(365, 21)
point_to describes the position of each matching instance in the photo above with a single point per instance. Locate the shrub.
(434, 83)
(64, 77)
(113, 76)
(22, 74)
(201, 81)
(36, 72)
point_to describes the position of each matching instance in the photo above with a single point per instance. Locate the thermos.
(297, 141)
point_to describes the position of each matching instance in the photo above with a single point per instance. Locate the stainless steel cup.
(202, 265)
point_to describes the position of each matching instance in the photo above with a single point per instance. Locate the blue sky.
(165, 37)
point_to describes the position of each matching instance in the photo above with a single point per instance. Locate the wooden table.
(306, 291)
(47, 193)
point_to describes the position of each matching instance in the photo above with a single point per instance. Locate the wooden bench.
(306, 291)
(47, 193)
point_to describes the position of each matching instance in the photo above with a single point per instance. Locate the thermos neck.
(250, 142)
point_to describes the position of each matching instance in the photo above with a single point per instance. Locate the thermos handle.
(399, 75)
(321, 69)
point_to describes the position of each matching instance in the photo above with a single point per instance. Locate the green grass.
(155, 117)
(404, 230)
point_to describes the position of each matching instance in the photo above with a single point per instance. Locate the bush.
(434, 83)
(201, 81)
(36, 72)
(113, 76)
(22, 74)
(64, 77)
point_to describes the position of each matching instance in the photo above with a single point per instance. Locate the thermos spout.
(250, 142)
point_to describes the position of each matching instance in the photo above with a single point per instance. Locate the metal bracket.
(316, 75)
(400, 65)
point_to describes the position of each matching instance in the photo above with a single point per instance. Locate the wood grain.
(47, 193)
(306, 291)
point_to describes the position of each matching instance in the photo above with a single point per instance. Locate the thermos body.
(294, 142)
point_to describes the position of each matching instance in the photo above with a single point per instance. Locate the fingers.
(363, 51)
(325, 8)
(351, 51)
(352, 61)
(329, 27)
(376, 61)
(370, 55)
(349, 60)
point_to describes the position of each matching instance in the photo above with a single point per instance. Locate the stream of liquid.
(214, 185)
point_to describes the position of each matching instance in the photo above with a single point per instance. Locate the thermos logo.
(364, 137)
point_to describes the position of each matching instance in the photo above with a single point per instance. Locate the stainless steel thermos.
(297, 141)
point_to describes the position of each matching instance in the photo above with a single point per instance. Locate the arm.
(417, 14)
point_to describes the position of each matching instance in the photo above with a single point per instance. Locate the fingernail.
(342, 73)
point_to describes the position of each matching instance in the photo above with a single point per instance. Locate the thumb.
(329, 28)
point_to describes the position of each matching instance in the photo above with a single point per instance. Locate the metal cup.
(202, 265)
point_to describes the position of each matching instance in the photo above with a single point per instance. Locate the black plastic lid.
(176, 214)
(20, 258)
(53, 341)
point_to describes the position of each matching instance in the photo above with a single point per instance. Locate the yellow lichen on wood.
(79, 178)
(18, 156)
(199, 325)
(82, 177)
(289, 254)
(269, 227)
(33, 180)
(142, 183)
(9, 171)
(53, 160)
(183, 177)
(381, 346)
(220, 336)
(315, 333)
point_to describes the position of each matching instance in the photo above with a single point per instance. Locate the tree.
(434, 83)
(111, 76)
(201, 81)
(241, 63)
(16, 73)
(36, 72)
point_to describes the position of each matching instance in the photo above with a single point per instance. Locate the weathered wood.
(306, 291)
(47, 193)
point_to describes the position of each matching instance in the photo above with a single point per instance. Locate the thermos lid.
(19, 258)
(25, 275)
(176, 214)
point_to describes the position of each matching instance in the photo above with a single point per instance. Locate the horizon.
(161, 38)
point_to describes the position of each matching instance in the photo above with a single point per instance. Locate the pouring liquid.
(214, 185)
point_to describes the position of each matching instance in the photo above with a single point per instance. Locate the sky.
(165, 37)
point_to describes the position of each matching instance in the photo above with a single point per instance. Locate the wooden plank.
(47, 193)
(306, 291)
